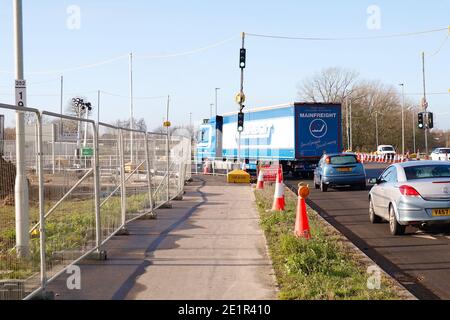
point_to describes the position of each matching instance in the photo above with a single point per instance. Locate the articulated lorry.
(295, 135)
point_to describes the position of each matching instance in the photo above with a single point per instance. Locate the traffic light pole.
(241, 103)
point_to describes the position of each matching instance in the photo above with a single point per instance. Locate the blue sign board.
(318, 130)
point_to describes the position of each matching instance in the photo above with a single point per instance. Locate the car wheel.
(323, 187)
(373, 217)
(395, 228)
(316, 186)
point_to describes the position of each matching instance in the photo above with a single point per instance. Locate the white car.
(386, 150)
(441, 154)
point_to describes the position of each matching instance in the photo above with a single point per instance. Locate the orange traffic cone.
(302, 229)
(279, 202)
(260, 184)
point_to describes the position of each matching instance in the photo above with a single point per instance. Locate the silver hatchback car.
(411, 194)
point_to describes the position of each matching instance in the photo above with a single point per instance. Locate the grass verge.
(323, 268)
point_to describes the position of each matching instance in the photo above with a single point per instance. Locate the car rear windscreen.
(343, 160)
(427, 172)
(387, 149)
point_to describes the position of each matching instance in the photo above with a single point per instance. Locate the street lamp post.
(403, 117)
(376, 127)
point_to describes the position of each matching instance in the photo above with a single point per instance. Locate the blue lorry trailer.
(295, 135)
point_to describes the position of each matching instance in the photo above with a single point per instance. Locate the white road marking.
(425, 237)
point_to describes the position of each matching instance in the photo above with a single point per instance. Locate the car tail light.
(409, 191)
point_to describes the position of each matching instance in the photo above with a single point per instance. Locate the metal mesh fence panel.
(136, 185)
(110, 180)
(19, 265)
(69, 194)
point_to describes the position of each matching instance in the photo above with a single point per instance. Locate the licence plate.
(441, 212)
(344, 169)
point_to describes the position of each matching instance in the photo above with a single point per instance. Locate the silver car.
(411, 194)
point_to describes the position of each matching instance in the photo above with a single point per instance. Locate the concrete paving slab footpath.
(208, 247)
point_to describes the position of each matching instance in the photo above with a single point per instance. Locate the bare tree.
(138, 124)
(331, 85)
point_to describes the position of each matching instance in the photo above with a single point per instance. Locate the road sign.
(167, 124)
(67, 137)
(87, 152)
(21, 93)
(240, 98)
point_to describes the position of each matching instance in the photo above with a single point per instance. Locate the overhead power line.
(138, 98)
(190, 52)
(389, 36)
(126, 56)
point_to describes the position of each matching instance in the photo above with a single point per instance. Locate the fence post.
(98, 222)
(40, 175)
(123, 196)
(149, 178)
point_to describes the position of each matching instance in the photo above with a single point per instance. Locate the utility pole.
(217, 108)
(131, 109)
(424, 102)
(21, 184)
(167, 124)
(98, 106)
(403, 117)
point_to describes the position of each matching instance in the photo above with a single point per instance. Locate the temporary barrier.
(85, 183)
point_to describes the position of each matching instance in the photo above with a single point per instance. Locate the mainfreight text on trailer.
(296, 135)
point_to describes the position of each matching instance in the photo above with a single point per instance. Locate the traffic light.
(430, 120)
(240, 121)
(421, 123)
(243, 58)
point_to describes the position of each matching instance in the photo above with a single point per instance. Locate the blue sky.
(111, 28)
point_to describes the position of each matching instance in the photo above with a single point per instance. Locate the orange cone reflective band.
(260, 184)
(279, 202)
(302, 229)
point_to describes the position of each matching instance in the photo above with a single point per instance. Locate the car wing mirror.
(374, 181)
